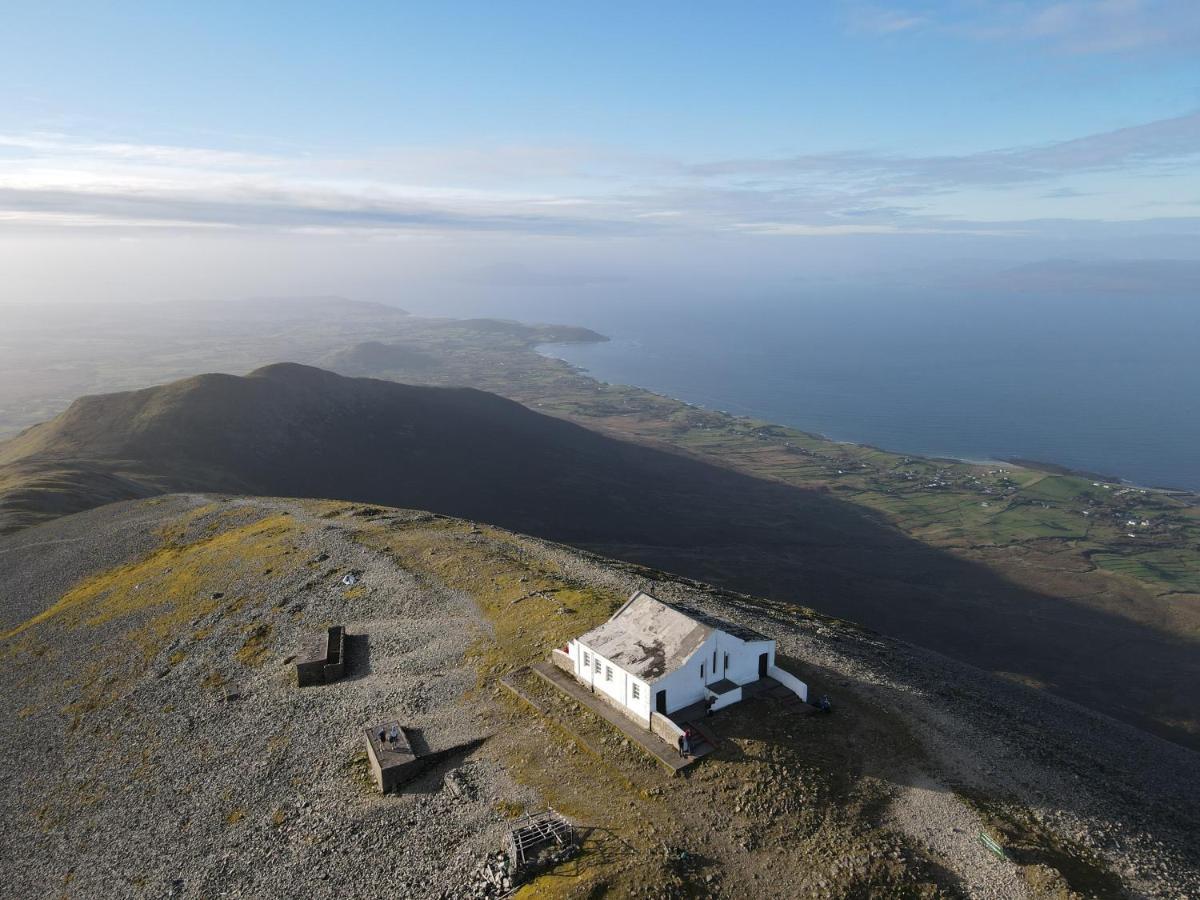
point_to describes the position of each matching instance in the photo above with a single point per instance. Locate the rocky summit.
(156, 742)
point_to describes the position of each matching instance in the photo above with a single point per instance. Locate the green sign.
(987, 841)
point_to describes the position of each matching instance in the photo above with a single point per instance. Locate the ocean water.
(1108, 385)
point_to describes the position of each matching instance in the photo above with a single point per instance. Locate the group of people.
(391, 735)
(687, 741)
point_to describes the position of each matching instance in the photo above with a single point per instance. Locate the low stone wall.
(665, 728)
(563, 661)
(725, 699)
(789, 681)
(335, 657)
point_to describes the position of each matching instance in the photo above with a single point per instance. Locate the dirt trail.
(932, 815)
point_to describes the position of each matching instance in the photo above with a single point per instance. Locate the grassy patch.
(1175, 568)
(531, 607)
(256, 647)
(145, 605)
(172, 585)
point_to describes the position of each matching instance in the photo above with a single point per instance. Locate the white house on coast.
(654, 658)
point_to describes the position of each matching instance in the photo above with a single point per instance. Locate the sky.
(390, 151)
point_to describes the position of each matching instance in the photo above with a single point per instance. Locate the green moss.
(256, 647)
(174, 584)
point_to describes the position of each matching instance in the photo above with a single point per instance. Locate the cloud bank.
(50, 182)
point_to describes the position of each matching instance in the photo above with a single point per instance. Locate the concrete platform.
(641, 736)
(392, 764)
(724, 686)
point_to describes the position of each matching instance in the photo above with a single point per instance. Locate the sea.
(1107, 385)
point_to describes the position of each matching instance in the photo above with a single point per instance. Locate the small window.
(587, 660)
(637, 691)
(726, 669)
(701, 670)
(608, 673)
(714, 662)
(597, 665)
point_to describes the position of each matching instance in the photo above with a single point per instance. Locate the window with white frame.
(587, 659)
(597, 665)
(636, 690)
(608, 673)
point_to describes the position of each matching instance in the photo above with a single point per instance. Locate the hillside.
(296, 431)
(154, 742)
(291, 430)
(1062, 592)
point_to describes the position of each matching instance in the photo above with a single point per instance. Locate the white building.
(651, 657)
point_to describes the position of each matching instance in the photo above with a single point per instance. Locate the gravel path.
(930, 813)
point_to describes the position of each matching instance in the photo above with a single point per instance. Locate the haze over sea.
(1108, 385)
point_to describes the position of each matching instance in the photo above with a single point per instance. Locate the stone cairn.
(493, 878)
(538, 843)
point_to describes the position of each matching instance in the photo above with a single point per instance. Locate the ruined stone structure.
(324, 659)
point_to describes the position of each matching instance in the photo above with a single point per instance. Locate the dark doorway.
(660, 702)
(762, 665)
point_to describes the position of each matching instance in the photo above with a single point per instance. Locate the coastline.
(1048, 467)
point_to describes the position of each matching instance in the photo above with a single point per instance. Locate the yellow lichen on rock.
(176, 582)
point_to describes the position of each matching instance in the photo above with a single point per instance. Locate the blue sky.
(534, 131)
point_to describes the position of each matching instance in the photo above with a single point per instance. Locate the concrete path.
(643, 737)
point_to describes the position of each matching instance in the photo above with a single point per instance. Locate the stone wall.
(563, 661)
(324, 660)
(665, 728)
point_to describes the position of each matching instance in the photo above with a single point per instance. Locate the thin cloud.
(48, 182)
(282, 210)
(1166, 144)
(881, 20)
(43, 144)
(1065, 26)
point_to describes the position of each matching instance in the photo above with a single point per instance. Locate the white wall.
(790, 681)
(727, 699)
(619, 689)
(743, 658)
(685, 685)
